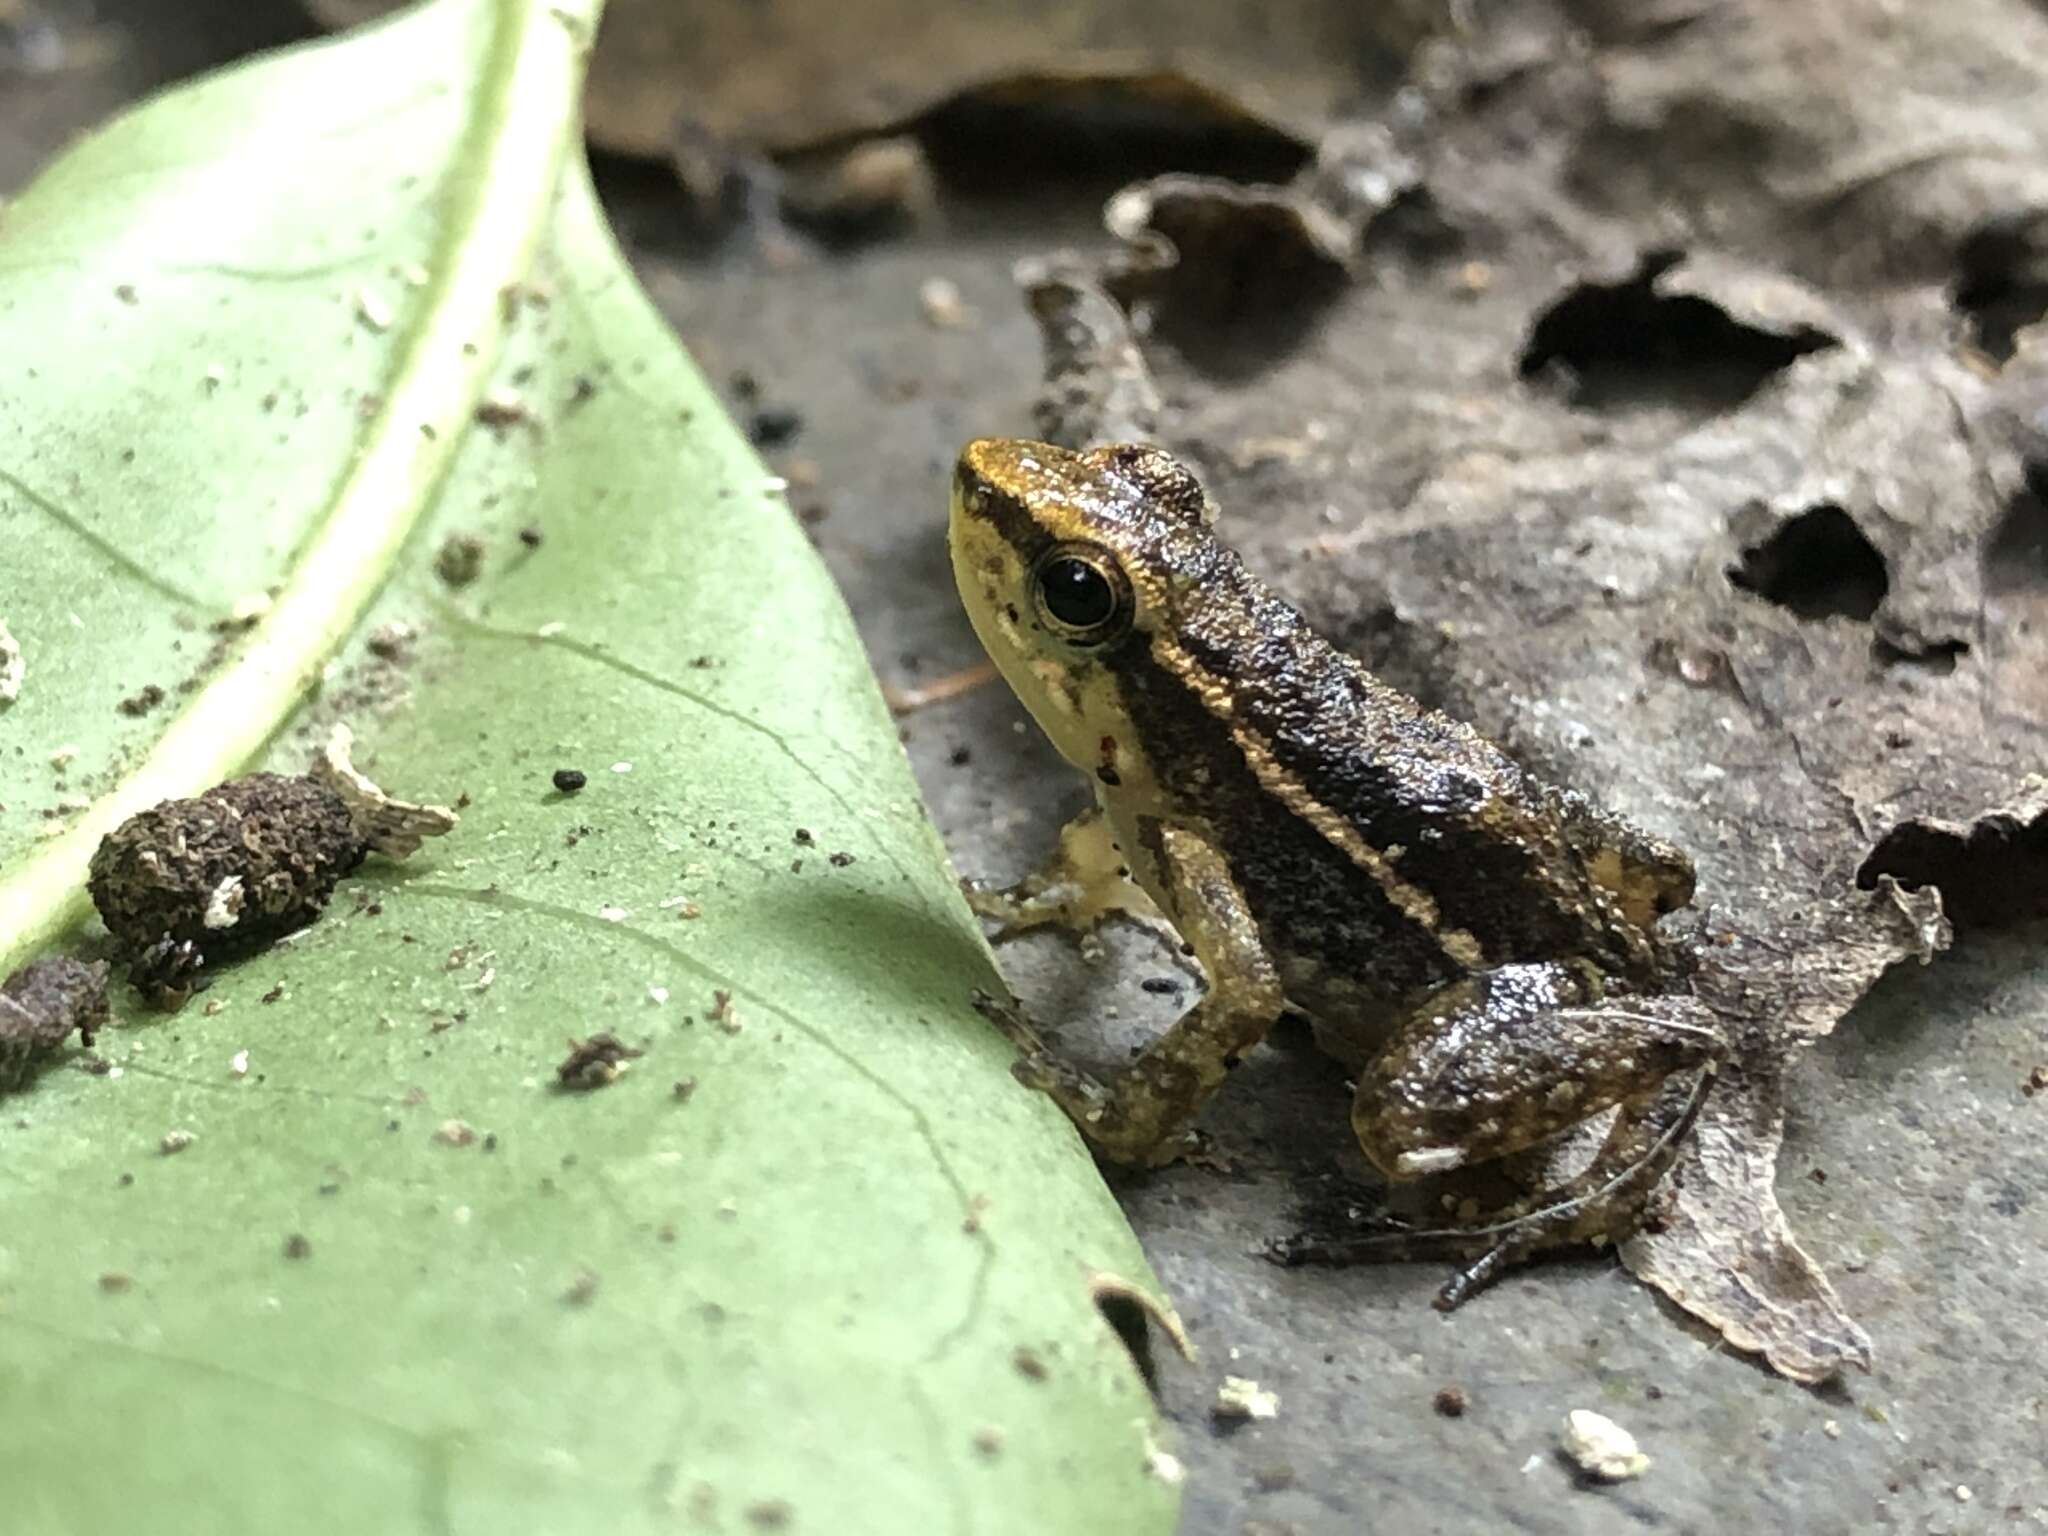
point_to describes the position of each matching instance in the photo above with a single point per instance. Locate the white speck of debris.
(1535, 1460)
(372, 311)
(670, 903)
(1963, 1494)
(461, 1215)
(483, 982)
(238, 1064)
(455, 1133)
(657, 995)
(1832, 1430)
(622, 767)
(1242, 1398)
(64, 755)
(613, 914)
(1601, 1447)
(552, 628)
(774, 485)
(1162, 1463)
(113, 1073)
(250, 607)
(175, 1141)
(414, 275)
(224, 906)
(943, 307)
(13, 669)
(215, 375)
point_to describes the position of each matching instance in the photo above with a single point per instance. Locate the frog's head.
(1066, 562)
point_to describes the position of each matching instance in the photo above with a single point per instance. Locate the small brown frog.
(1476, 945)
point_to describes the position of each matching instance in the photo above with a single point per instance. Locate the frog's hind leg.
(1507, 1060)
(1142, 1114)
(1083, 884)
(1607, 1200)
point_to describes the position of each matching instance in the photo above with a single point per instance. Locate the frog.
(1477, 946)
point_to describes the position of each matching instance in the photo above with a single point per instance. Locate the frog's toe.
(1366, 1239)
(1035, 1069)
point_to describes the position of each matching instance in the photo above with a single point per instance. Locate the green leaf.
(244, 336)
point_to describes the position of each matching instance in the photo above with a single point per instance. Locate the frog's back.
(1379, 840)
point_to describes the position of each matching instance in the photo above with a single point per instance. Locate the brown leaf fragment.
(40, 1005)
(1097, 386)
(1207, 248)
(394, 828)
(1722, 1248)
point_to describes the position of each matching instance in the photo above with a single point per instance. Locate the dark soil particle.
(531, 537)
(157, 877)
(142, 701)
(40, 1005)
(297, 1247)
(460, 560)
(569, 780)
(595, 1062)
(773, 426)
(1449, 1402)
(840, 860)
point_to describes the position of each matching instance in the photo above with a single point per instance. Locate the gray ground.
(1912, 1166)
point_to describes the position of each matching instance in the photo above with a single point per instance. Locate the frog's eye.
(1081, 594)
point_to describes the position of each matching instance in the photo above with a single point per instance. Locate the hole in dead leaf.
(1991, 873)
(1818, 564)
(1623, 343)
(2001, 286)
(2016, 555)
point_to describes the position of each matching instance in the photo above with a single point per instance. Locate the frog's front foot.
(1016, 909)
(1083, 885)
(1122, 1121)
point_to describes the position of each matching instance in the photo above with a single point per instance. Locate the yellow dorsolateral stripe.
(1408, 898)
(503, 180)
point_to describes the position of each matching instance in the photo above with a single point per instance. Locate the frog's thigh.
(1142, 1114)
(1084, 882)
(1513, 1056)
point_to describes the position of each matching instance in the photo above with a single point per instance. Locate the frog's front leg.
(1142, 1114)
(1085, 882)
(1506, 1060)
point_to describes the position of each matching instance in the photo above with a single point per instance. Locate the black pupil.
(1077, 594)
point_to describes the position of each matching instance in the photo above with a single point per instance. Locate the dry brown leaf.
(778, 75)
